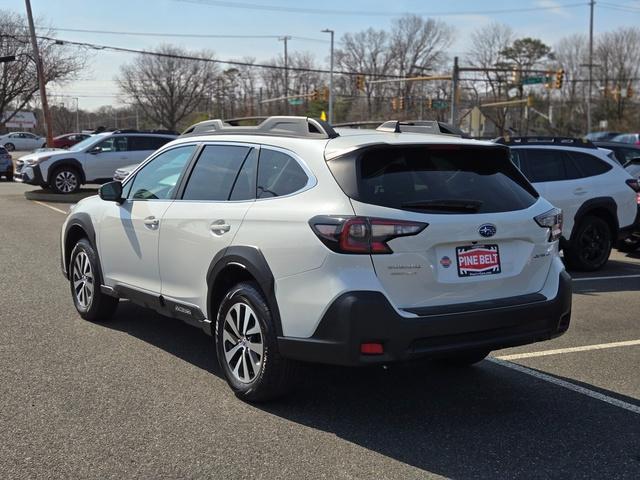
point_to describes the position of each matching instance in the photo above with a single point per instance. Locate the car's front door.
(104, 158)
(219, 191)
(128, 233)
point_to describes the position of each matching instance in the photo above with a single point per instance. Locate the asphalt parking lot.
(143, 396)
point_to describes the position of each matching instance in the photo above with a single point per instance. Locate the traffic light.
(429, 103)
(515, 76)
(360, 82)
(324, 94)
(394, 104)
(315, 95)
(559, 78)
(530, 100)
(548, 79)
(401, 103)
(616, 93)
(630, 91)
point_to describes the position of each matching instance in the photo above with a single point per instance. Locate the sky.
(548, 20)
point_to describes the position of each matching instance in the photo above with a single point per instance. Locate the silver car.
(22, 141)
(121, 173)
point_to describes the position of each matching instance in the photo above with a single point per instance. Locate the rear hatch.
(480, 242)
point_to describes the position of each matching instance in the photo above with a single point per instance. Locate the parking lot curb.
(46, 196)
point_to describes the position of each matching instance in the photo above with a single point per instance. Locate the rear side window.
(589, 165)
(434, 179)
(147, 143)
(215, 173)
(279, 174)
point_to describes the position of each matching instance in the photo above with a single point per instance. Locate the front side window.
(216, 172)
(113, 144)
(279, 174)
(157, 180)
(544, 165)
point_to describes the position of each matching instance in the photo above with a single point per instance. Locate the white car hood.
(49, 153)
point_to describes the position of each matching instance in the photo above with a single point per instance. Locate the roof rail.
(556, 141)
(133, 130)
(298, 127)
(359, 124)
(433, 127)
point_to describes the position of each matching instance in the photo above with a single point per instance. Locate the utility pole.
(591, 5)
(40, 72)
(77, 99)
(285, 39)
(455, 78)
(327, 30)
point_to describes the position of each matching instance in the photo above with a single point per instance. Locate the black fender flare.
(606, 203)
(80, 220)
(252, 260)
(66, 162)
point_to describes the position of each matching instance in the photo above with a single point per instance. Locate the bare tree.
(166, 87)
(488, 44)
(18, 79)
(571, 54)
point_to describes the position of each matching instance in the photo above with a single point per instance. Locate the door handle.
(151, 222)
(220, 227)
(579, 191)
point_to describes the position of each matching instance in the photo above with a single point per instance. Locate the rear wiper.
(445, 205)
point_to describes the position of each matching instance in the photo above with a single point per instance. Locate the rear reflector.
(371, 349)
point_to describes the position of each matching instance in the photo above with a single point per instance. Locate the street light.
(328, 30)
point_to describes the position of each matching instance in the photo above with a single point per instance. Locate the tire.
(9, 177)
(246, 346)
(10, 147)
(65, 180)
(85, 278)
(465, 359)
(590, 245)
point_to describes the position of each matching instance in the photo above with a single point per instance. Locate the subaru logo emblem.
(487, 230)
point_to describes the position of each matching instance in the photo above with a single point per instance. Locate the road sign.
(536, 80)
(440, 104)
(296, 101)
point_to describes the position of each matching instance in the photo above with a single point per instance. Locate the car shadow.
(486, 421)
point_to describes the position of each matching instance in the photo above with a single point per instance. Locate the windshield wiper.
(445, 205)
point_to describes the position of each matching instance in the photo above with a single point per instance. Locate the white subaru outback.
(292, 241)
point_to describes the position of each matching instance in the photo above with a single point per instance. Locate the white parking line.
(584, 348)
(568, 385)
(612, 277)
(49, 206)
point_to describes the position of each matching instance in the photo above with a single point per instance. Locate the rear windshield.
(445, 179)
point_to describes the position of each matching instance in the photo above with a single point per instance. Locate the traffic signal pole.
(41, 80)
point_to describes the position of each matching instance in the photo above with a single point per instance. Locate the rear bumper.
(632, 229)
(363, 316)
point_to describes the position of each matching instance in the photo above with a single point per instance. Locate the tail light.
(553, 221)
(362, 235)
(634, 183)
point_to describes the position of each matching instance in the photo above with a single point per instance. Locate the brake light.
(634, 183)
(362, 235)
(553, 221)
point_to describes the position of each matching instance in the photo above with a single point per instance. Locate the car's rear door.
(211, 206)
(128, 235)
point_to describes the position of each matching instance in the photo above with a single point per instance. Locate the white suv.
(291, 241)
(91, 160)
(598, 197)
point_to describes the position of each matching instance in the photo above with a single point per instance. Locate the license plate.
(476, 260)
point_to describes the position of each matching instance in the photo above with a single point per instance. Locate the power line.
(96, 46)
(179, 35)
(619, 7)
(322, 11)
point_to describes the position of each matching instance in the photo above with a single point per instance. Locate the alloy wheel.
(243, 342)
(83, 284)
(66, 181)
(594, 243)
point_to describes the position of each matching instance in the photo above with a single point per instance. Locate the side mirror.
(95, 150)
(111, 192)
